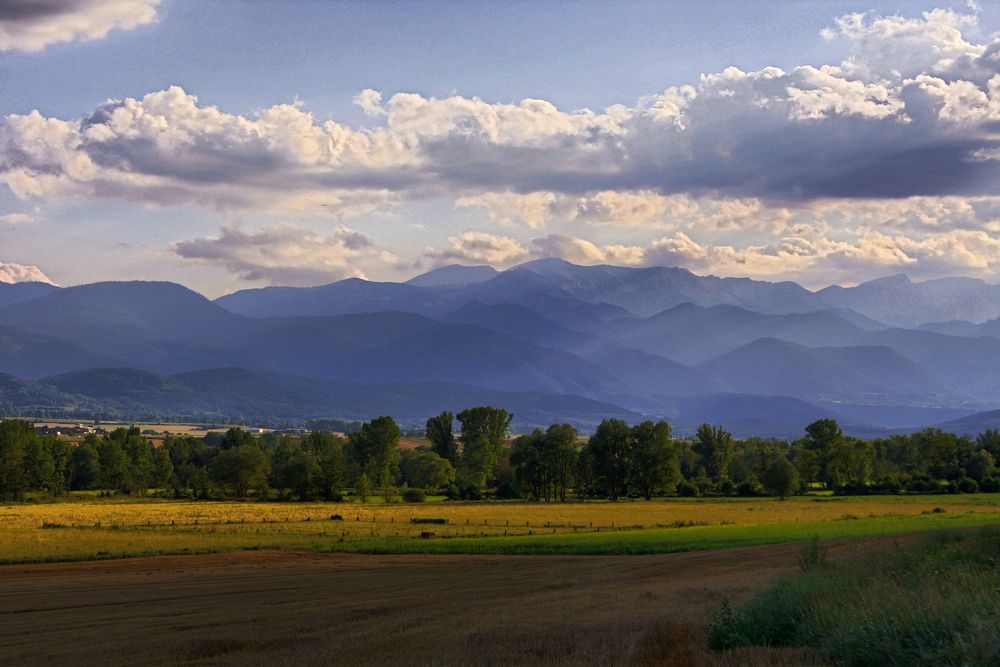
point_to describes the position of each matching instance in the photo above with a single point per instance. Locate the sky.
(227, 145)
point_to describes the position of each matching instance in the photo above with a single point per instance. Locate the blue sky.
(870, 150)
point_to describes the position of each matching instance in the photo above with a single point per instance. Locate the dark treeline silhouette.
(618, 461)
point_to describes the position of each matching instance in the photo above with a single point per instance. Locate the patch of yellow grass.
(91, 527)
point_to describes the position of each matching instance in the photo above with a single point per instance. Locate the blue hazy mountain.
(21, 292)
(656, 341)
(228, 392)
(453, 274)
(901, 302)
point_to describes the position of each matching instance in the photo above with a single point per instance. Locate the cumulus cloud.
(283, 255)
(899, 46)
(883, 160)
(628, 208)
(32, 25)
(473, 247)
(20, 273)
(912, 112)
(582, 251)
(818, 262)
(507, 208)
(815, 262)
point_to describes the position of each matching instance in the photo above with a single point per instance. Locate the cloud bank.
(19, 273)
(883, 123)
(32, 25)
(283, 255)
(889, 158)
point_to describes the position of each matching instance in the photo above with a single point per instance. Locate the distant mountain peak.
(895, 279)
(454, 274)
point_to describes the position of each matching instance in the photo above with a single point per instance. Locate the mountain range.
(551, 340)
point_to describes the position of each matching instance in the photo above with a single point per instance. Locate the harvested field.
(80, 528)
(269, 608)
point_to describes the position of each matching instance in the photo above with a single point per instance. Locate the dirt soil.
(267, 608)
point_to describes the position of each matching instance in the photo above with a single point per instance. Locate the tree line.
(617, 461)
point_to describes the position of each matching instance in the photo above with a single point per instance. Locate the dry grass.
(88, 528)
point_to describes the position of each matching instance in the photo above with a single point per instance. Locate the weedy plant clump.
(937, 603)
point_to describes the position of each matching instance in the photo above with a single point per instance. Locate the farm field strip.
(102, 528)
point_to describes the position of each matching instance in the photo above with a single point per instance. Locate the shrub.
(425, 520)
(934, 604)
(463, 492)
(967, 485)
(887, 485)
(687, 489)
(811, 556)
(414, 496)
(472, 492)
(781, 478)
(750, 487)
(854, 487)
(726, 487)
(704, 484)
(991, 484)
(922, 484)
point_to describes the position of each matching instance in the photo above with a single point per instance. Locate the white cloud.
(370, 102)
(283, 255)
(533, 209)
(814, 262)
(16, 218)
(20, 273)
(32, 25)
(897, 46)
(478, 248)
(581, 251)
(886, 123)
(627, 208)
(820, 262)
(886, 159)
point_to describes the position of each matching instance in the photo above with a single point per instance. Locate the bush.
(855, 487)
(888, 485)
(934, 604)
(507, 487)
(922, 484)
(726, 487)
(687, 489)
(811, 556)
(990, 484)
(463, 492)
(704, 484)
(750, 487)
(425, 520)
(414, 496)
(967, 485)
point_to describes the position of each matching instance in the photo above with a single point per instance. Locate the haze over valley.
(548, 339)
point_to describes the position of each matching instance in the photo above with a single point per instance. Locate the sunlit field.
(84, 527)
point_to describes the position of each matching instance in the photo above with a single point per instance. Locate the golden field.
(84, 527)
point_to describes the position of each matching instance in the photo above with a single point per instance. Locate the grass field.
(936, 602)
(82, 527)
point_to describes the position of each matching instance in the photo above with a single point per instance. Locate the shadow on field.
(265, 608)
